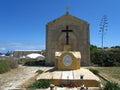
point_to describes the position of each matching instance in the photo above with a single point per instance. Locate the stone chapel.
(79, 39)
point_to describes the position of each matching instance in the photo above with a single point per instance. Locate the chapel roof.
(67, 15)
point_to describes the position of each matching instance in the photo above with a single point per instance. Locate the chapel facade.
(79, 39)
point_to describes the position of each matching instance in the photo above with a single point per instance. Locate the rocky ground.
(17, 76)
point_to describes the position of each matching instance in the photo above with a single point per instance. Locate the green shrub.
(96, 72)
(106, 57)
(117, 64)
(21, 62)
(112, 86)
(31, 63)
(35, 85)
(34, 62)
(13, 63)
(40, 84)
(45, 84)
(4, 66)
(7, 64)
(39, 71)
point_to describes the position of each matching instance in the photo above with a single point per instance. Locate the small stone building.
(21, 53)
(78, 39)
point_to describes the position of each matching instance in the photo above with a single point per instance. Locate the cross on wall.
(67, 34)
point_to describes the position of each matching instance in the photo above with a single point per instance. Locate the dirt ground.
(17, 76)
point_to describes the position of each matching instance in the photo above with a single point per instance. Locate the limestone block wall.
(79, 38)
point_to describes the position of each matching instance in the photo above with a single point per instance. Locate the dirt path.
(17, 76)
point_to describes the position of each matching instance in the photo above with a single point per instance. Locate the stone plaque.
(67, 60)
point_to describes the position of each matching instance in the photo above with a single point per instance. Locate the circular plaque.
(67, 60)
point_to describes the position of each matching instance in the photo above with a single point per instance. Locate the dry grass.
(111, 73)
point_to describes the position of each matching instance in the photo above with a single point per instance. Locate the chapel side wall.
(86, 46)
(48, 45)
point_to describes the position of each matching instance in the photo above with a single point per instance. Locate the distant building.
(23, 53)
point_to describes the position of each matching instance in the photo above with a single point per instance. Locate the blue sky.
(23, 22)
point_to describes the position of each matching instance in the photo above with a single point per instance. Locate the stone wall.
(79, 38)
(21, 53)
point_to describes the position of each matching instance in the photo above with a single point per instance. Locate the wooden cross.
(67, 34)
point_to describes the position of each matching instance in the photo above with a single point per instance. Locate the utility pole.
(103, 29)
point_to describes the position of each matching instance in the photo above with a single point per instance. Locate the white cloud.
(2, 49)
(21, 46)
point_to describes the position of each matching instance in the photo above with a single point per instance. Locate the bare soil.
(16, 77)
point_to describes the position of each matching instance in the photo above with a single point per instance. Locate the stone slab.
(71, 78)
(73, 74)
(67, 75)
